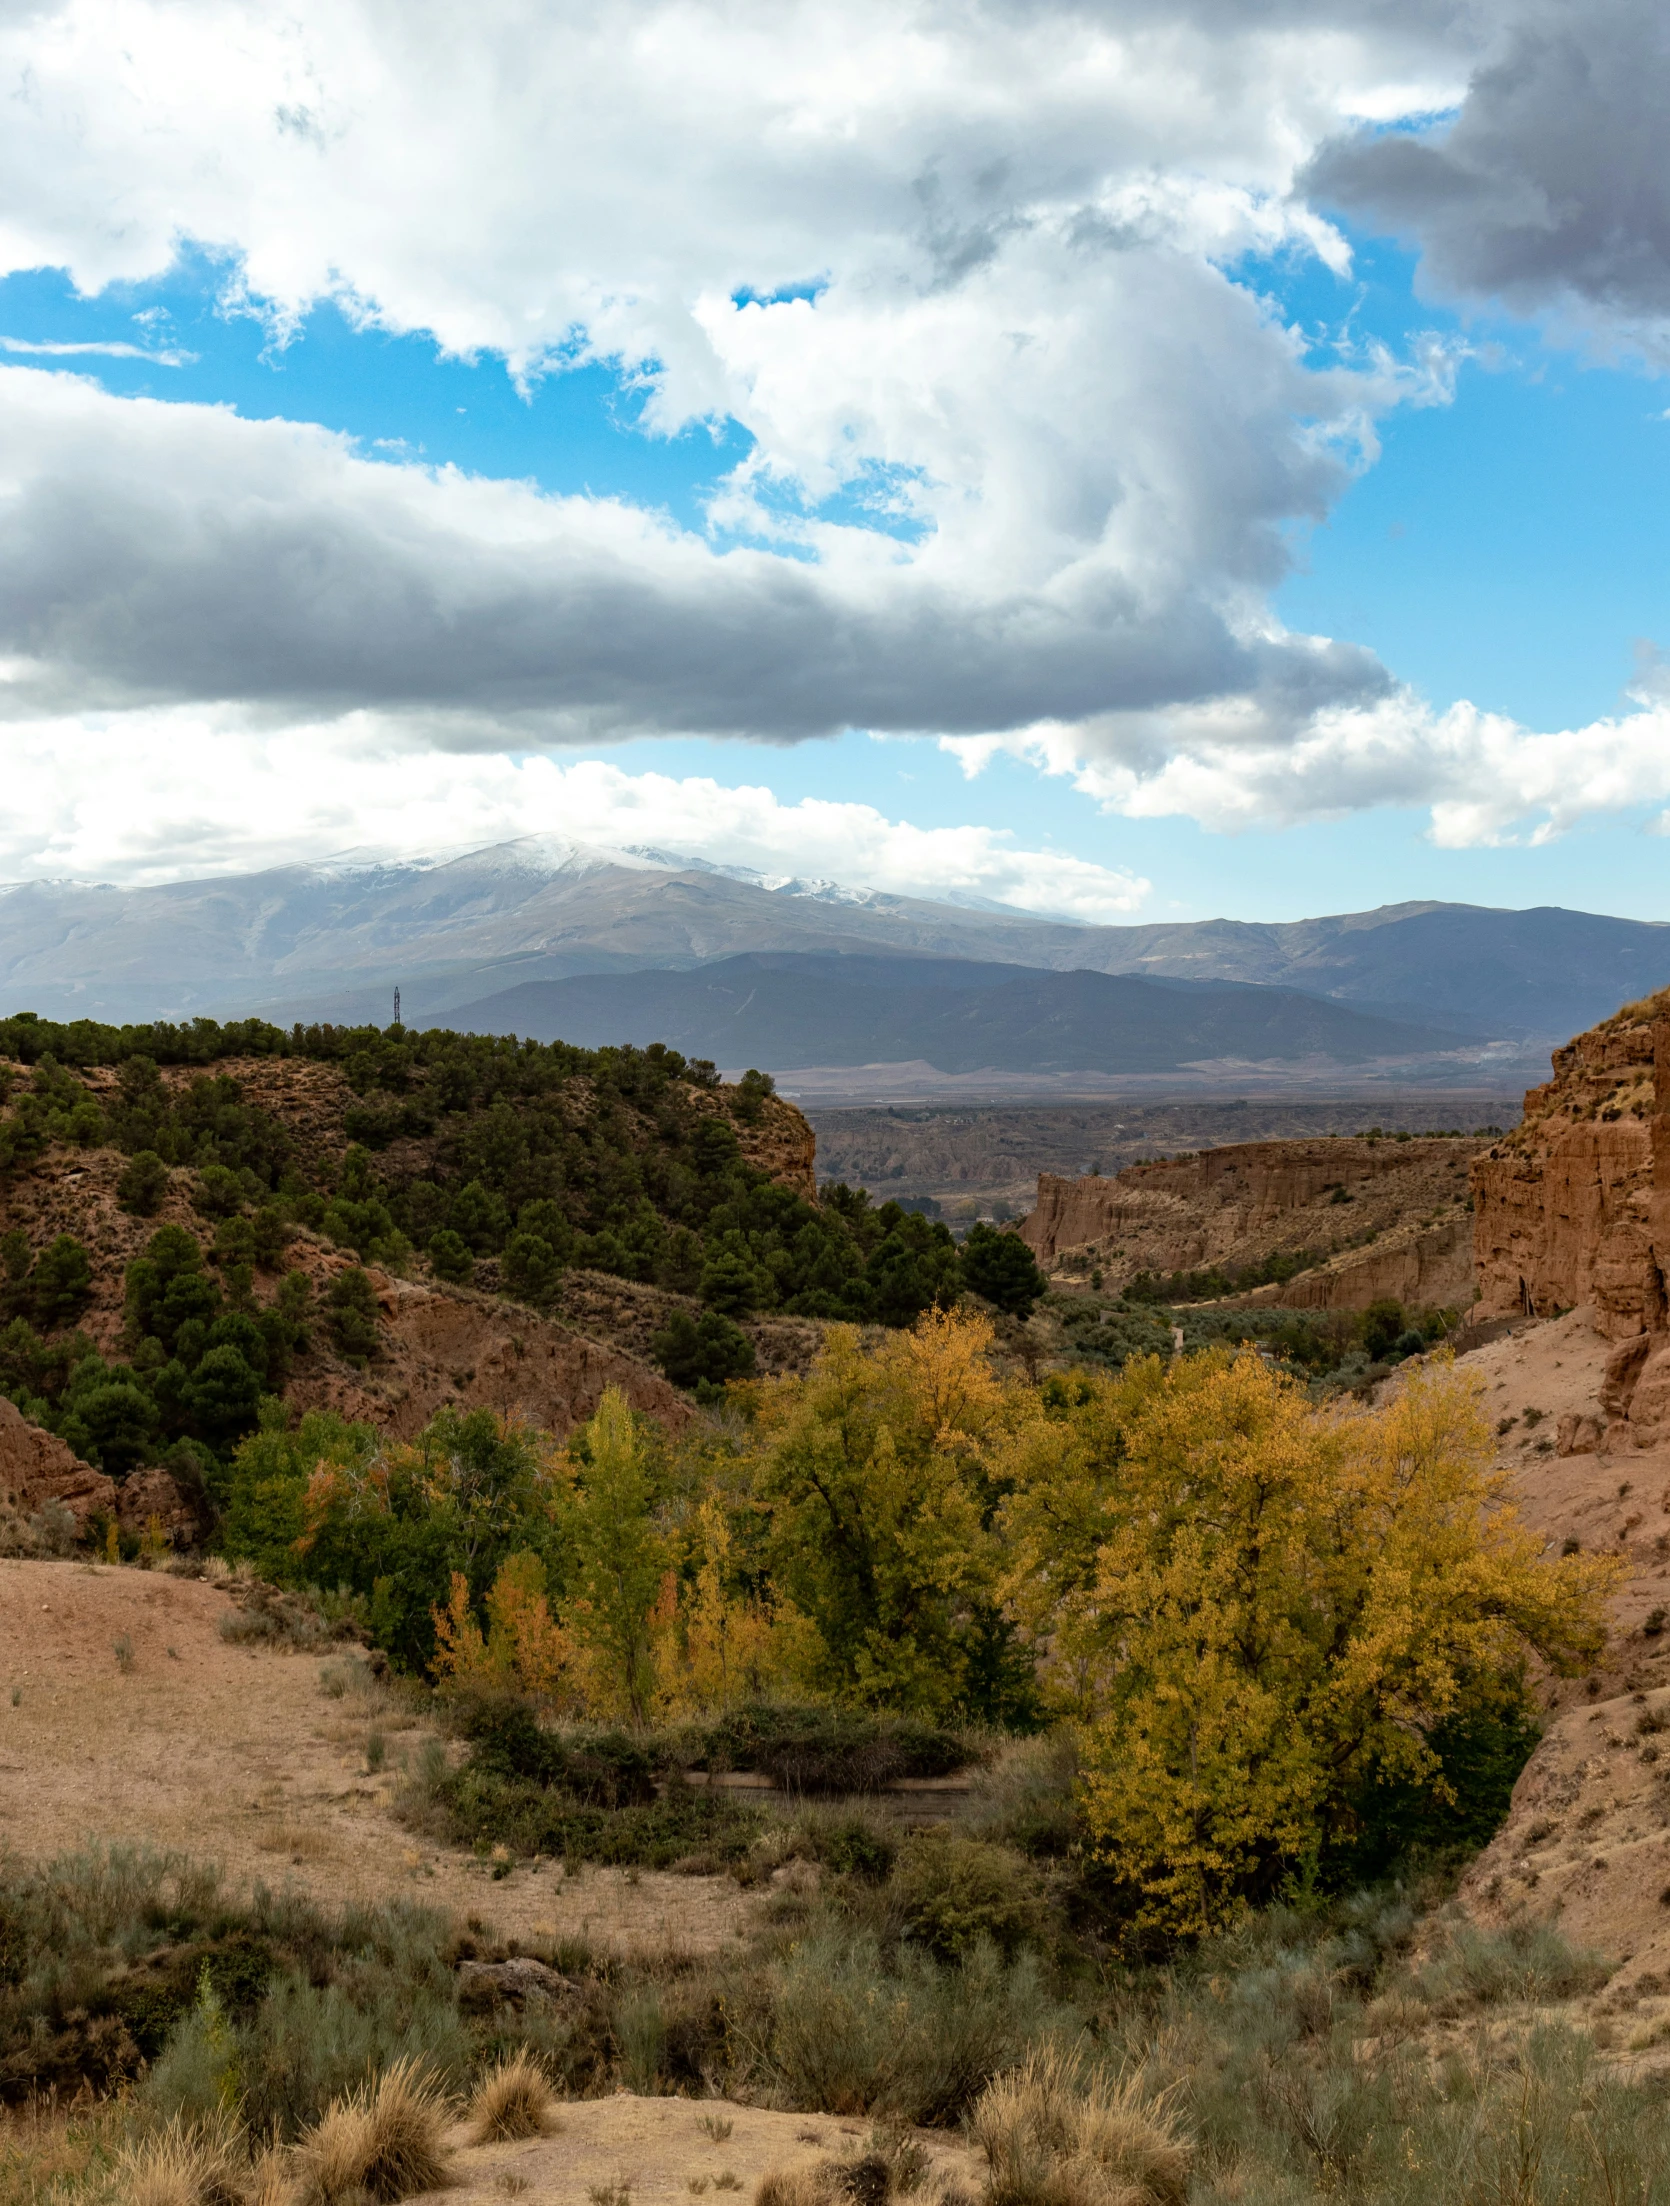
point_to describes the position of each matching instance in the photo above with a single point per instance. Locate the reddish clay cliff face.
(1384, 1216)
(1573, 1207)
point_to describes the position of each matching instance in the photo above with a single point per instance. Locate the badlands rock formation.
(1573, 1210)
(1566, 1209)
(1388, 1217)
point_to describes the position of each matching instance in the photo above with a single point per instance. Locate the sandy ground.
(665, 2152)
(1587, 1840)
(236, 1755)
(1616, 1502)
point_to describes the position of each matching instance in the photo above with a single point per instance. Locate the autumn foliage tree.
(523, 1650)
(871, 1476)
(619, 1560)
(1257, 1610)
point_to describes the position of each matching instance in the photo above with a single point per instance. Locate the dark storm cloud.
(1552, 186)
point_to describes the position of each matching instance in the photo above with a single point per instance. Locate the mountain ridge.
(783, 1009)
(330, 940)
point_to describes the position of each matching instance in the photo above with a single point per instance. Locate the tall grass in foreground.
(1324, 2058)
(1367, 2050)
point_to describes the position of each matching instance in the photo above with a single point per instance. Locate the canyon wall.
(1378, 1217)
(1423, 1267)
(1573, 1210)
(1573, 1207)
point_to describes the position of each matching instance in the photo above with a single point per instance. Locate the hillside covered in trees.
(194, 1217)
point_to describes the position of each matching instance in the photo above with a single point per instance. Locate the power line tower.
(397, 1006)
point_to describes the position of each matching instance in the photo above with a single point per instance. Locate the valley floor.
(236, 1755)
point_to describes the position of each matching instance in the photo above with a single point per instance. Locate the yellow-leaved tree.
(1259, 1609)
(870, 1475)
(717, 1643)
(523, 1647)
(620, 1559)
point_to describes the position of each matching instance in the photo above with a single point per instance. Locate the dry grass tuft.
(1051, 2140)
(513, 2101)
(811, 2184)
(300, 1841)
(270, 2180)
(380, 2144)
(186, 2164)
(869, 2178)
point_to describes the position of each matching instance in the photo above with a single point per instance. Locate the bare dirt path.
(235, 1755)
(666, 2152)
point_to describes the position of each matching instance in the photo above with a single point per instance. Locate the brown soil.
(630, 1315)
(448, 1347)
(235, 1755)
(1586, 1843)
(664, 2152)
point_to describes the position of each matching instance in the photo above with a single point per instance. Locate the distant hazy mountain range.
(792, 1008)
(482, 937)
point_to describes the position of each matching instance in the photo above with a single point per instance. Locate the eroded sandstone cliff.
(1383, 1217)
(1571, 1207)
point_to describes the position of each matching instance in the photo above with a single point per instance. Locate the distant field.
(991, 1157)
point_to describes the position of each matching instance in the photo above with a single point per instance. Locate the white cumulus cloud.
(1028, 450)
(167, 793)
(1483, 778)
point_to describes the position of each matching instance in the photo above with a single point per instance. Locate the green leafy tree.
(707, 1350)
(143, 1184)
(913, 1268)
(284, 1326)
(271, 1232)
(870, 1476)
(1001, 1269)
(481, 1217)
(217, 1192)
(333, 1504)
(493, 1477)
(531, 1268)
(730, 1281)
(619, 1560)
(1382, 1322)
(234, 1243)
(109, 1418)
(222, 1396)
(167, 1289)
(60, 1283)
(752, 1090)
(351, 1315)
(450, 1258)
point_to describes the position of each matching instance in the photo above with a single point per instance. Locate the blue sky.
(1504, 547)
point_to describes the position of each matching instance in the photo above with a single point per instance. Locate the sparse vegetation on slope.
(501, 1163)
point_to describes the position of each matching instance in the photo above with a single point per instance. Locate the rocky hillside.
(1566, 1207)
(390, 1225)
(1329, 1223)
(970, 1160)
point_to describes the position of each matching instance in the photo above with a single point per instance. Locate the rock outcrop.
(36, 1468)
(1573, 1207)
(1385, 1217)
(1423, 1267)
(443, 1347)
